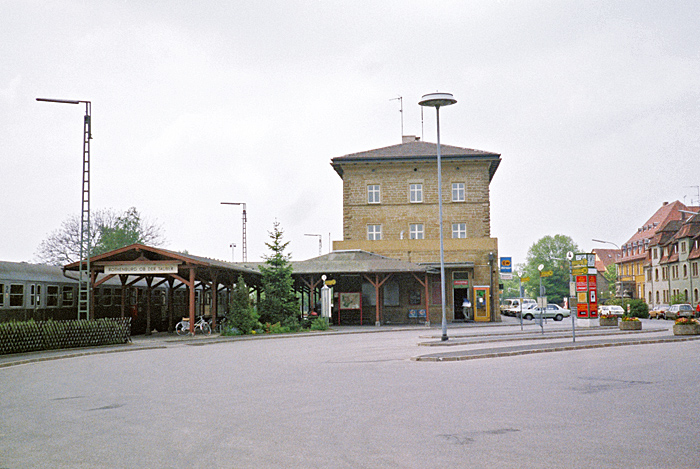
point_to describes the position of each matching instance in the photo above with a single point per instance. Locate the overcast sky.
(593, 106)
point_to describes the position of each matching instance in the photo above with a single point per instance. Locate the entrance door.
(482, 306)
(460, 293)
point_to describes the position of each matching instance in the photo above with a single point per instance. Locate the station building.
(390, 208)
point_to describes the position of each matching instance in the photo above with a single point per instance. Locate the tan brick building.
(390, 207)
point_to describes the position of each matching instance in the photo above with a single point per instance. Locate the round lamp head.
(437, 99)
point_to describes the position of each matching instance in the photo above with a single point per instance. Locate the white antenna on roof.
(697, 201)
(400, 99)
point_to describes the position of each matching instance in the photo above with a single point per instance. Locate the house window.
(52, 296)
(683, 246)
(374, 232)
(695, 269)
(416, 231)
(373, 194)
(16, 295)
(459, 230)
(458, 194)
(685, 270)
(415, 192)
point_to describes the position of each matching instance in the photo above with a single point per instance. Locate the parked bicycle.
(183, 327)
(220, 324)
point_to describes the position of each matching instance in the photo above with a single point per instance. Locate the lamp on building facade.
(438, 100)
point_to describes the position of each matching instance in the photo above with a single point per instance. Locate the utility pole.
(320, 242)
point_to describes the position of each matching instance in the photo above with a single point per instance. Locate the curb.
(477, 354)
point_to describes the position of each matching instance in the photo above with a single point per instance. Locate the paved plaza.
(359, 398)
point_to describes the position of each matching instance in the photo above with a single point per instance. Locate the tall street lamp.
(83, 268)
(437, 100)
(245, 246)
(618, 268)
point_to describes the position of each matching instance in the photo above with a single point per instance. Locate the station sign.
(144, 268)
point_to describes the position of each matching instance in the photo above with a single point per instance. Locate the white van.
(511, 306)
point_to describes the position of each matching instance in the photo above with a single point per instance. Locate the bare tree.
(109, 230)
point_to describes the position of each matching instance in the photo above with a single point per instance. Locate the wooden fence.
(31, 336)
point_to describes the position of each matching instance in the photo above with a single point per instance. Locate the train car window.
(16, 295)
(38, 295)
(32, 294)
(52, 296)
(2, 295)
(68, 294)
(117, 301)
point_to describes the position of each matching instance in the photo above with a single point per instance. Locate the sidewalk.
(475, 340)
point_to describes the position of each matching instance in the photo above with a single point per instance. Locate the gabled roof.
(145, 254)
(418, 151)
(667, 218)
(38, 272)
(354, 262)
(605, 257)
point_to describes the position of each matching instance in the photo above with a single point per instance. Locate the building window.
(458, 194)
(391, 293)
(459, 230)
(685, 270)
(415, 192)
(52, 296)
(374, 232)
(373, 194)
(416, 231)
(695, 269)
(683, 246)
(16, 295)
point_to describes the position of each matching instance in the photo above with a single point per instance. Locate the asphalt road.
(353, 401)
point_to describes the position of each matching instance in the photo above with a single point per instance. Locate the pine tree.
(278, 303)
(242, 316)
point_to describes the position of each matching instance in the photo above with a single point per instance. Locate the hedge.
(31, 336)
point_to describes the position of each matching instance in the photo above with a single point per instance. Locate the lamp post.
(84, 275)
(244, 247)
(437, 100)
(618, 268)
(233, 247)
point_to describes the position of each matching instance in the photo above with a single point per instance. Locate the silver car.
(552, 311)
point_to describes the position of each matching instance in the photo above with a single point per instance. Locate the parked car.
(680, 311)
(552, 311)
(615, 310)
(658, 312)
(511, 306)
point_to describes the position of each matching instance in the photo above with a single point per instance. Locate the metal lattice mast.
(84, 277)
(84, 271)
(245, 244)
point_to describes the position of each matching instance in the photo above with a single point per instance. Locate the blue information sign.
(506, 265)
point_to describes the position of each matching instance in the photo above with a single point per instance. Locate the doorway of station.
(461, 298)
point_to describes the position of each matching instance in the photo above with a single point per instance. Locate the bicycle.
(183, 327)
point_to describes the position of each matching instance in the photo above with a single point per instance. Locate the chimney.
(409, 139)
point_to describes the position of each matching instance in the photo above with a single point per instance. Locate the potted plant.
(686, 326)
(608, 320)
(629, 323)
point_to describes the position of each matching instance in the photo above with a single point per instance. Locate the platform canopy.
(138, 262)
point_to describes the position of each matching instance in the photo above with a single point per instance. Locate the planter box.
(686, 329)
(630, 325)
(608, 321)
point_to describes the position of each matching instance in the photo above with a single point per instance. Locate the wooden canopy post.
(149, 282)
(214, 300)
(377, 283)
(171, 301)
(192, 305)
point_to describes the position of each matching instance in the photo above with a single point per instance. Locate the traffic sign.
(525, 279)
(579, 271)
(506, 265)
(546, 273)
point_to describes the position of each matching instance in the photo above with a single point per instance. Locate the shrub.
(319, 324)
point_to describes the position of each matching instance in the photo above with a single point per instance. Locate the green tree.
(549, 251)
(243, 317)
(278, 302)
(109, 230)
(610, 275)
